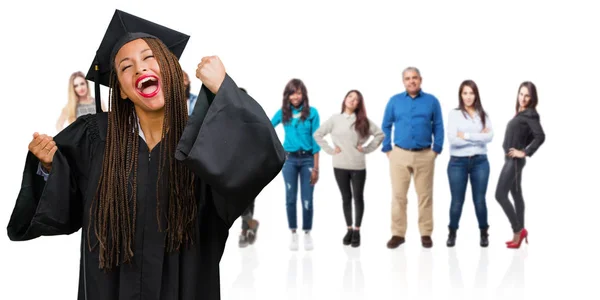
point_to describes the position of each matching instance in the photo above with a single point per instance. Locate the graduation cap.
(122, 29)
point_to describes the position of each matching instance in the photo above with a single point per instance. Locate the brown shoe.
(395, 241)
(426, 241)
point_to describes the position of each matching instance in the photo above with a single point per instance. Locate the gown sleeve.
(230, 143)
(53, 207)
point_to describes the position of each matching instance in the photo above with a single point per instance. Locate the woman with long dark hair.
(469, 132)
(300, 121)
(154, 192)
(524, 135)
(350, 130)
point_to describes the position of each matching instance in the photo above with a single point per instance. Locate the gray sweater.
(344, 136)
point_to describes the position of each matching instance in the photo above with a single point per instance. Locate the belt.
(469, 156)
(414, 149)
(300, 153)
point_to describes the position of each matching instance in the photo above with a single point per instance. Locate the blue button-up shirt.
(192, 103)
(414, 120)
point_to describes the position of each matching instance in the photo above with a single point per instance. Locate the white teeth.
(144, 81)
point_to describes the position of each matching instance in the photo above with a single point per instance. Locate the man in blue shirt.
(191, 97)
(418, 138)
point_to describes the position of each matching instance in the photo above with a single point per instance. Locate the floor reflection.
(512, 285)
(398, 271)
(457, 286)
(306, 285)
(243, 286)
(425, 286)
(354, 280)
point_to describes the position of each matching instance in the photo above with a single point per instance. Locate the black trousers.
(352, 183)
(510, 181)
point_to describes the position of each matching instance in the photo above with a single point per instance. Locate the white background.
(335, 47)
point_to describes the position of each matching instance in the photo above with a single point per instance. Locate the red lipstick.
(147, 86)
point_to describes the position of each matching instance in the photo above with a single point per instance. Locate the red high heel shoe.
(509, 242)
(517, 245)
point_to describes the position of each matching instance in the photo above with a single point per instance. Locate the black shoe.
(356, 238)
(484, 242)
(451, 238)
(348, 237)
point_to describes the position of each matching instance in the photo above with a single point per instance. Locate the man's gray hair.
(411, 69)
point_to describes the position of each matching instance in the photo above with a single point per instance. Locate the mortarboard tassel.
(97, 86)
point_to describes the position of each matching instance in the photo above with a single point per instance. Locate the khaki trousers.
(404, 164)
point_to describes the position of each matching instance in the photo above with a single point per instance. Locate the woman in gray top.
(349, 131)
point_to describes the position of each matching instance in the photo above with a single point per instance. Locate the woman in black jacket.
(524, 135)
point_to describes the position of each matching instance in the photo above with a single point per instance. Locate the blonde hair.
(73, 99)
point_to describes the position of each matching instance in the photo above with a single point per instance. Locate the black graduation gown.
(231, 146)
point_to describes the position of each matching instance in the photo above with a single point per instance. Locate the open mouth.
(148, 86)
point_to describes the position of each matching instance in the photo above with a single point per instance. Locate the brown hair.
(361, 125)
(113, 212)
(476, 103)
(533, 96)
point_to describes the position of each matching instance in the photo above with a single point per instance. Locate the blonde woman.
(80, 101)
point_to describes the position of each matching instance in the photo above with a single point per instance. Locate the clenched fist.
(211, 72)
(43, 147)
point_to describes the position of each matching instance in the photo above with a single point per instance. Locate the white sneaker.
(294, 243)
(308, 242)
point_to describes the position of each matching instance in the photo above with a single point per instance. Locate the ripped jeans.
(299, 166)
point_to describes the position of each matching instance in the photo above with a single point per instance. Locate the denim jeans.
(460, 170)
(298, 167)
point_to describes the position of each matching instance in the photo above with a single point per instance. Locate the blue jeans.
(298, 166)
(460, 170)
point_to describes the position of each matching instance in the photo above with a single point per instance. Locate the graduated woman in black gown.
(154, 192)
